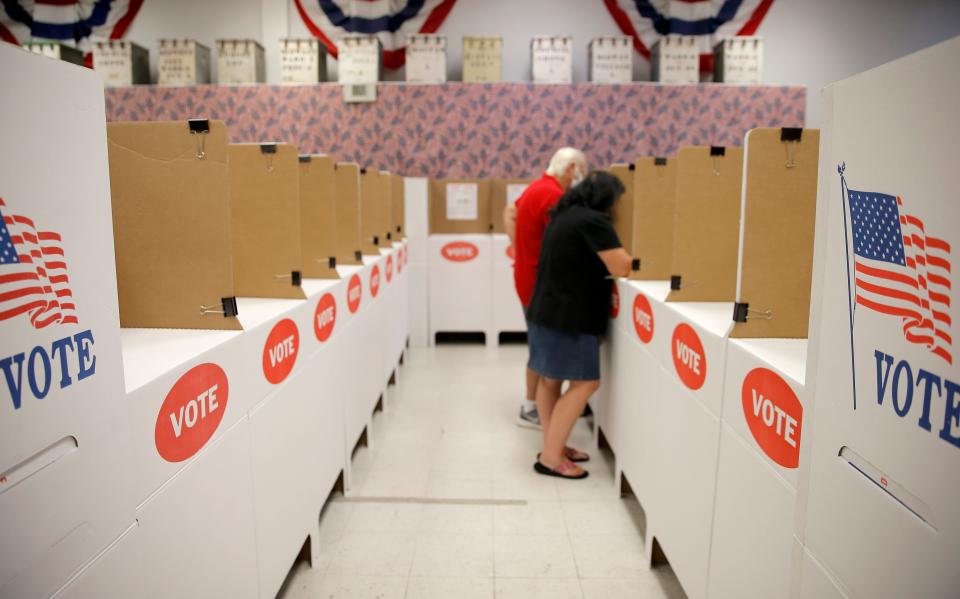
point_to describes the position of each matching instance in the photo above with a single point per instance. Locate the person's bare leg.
(563, 417)
(532, 379)
(548, 390)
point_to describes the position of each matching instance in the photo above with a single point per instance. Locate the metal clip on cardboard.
(228, 307)
(790, 136)
(715, 152)
(200, 128)
(635, 264)
(675, 282)
(659, 161)
(358, 255)
(742, 312)
(333, 261)
(269, 151)
(294, 276)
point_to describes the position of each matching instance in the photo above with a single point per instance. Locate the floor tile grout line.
(432, 501)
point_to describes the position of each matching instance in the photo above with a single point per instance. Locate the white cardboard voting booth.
(507, 310)
(880, 512)
(65, 492)
(113, 573)
(416, 225)
(460, 270)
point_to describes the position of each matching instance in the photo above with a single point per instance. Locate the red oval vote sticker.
(643, 318)
(389, 267)
(325, 317)
(614, 300)
(774, 415)
(354, 293)
(280, 351)
(374, 280)
(688, 356)
(459, 251)
(191, 412)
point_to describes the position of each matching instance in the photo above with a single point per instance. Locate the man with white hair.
(525, 223)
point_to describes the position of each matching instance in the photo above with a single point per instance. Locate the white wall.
(808, 42)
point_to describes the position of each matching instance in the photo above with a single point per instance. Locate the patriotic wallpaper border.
(475, 130)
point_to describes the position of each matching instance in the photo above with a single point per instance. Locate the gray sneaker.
(529, 419)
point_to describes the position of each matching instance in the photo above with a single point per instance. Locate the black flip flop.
(546, 471)
(580, 461)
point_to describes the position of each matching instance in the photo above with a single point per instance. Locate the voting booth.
(65, 491)
(882, 471)
(507, 310)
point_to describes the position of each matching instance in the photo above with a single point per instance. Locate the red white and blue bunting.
(71, 22)
(390, 20)
(646, 21)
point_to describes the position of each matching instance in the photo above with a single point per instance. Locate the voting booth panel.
(63, 425)
(397, 207)
(706, 224)
(460, 270)
(503, 193)
(776, 233)
(883, 471)
(318, 217)
(622, 211)
(114, 573)
(653, 214)
(207, 548)
(507, 310)
(814, 582)
(349, 238)
(372, 225)
(460, 206)
(265, 219)
(170, 189)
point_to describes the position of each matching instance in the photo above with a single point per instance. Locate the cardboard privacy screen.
(776, 240)
(460, 206)
(318, 218)
(265, 210)
(385, 191)
(397, 207)
(503, 192)
(371, 210)
(171, 224)
(706, 224)
(349, 246)
(623, 210)
(654, 194)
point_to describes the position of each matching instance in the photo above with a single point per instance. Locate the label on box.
(325, 317)
(774, 415)
(280, 351)
(689, 359)
(514, 191)
(459, 251)
(191, 412)
(643, 318)
(354, 294)
(462, 201)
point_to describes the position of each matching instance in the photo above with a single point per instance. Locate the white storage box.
(426, 58)
(611, 59)
(739, 60)
(121, 63)
(240, 62)
(302, 61)
(675, 59)
(482, 59)
(183, 62)
(57, 51)
(551, 58)
(360, 59)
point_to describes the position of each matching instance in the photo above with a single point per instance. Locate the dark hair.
(599, 190)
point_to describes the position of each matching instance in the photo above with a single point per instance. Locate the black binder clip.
(740, 312)
(294, 276)
(304, 159)
(716, 152)
(228, 307)
(790, 137)
(635, 265)
(659, 161)
(200, 128)
(358, 256)
(376, 240)
(675, 282)
(332, 261)
(389, 236)
(632, 166)
(269, 151)
(399, 229)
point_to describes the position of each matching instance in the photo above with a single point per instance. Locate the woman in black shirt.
(569, 311)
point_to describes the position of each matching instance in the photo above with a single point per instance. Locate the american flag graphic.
(900, 270)
(33, 273)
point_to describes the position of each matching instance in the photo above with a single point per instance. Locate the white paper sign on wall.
(462, 201)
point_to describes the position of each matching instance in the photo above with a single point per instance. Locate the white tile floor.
(449, 434)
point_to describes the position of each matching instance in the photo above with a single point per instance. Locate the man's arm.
(510, 221)
(617, 261)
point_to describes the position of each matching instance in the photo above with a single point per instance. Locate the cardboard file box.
(183, 62)
(426, 59)
(360, 59)
(675, 59)
(171, 217)
(739, 60)
(265, 220)
(611, 59)
(56, 51)
(240, 62)
(302, 61)
(482, 59)
(121, 63)
(551, 58)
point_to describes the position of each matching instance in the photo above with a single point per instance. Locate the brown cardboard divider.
(349, 245)
(171, 224)
(622, 212)
(498, 200)
(779, 215)
(385, 217)
(654, 194)
(398, 207)
(439, 223)
(265, 210)
(318, 217)
(706, 233)
(370, 212)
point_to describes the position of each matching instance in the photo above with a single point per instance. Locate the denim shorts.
(563, 356)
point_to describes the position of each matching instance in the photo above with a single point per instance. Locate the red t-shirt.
(533, 208)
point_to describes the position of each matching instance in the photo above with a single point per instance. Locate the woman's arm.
(617, 261)
(510, 221)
